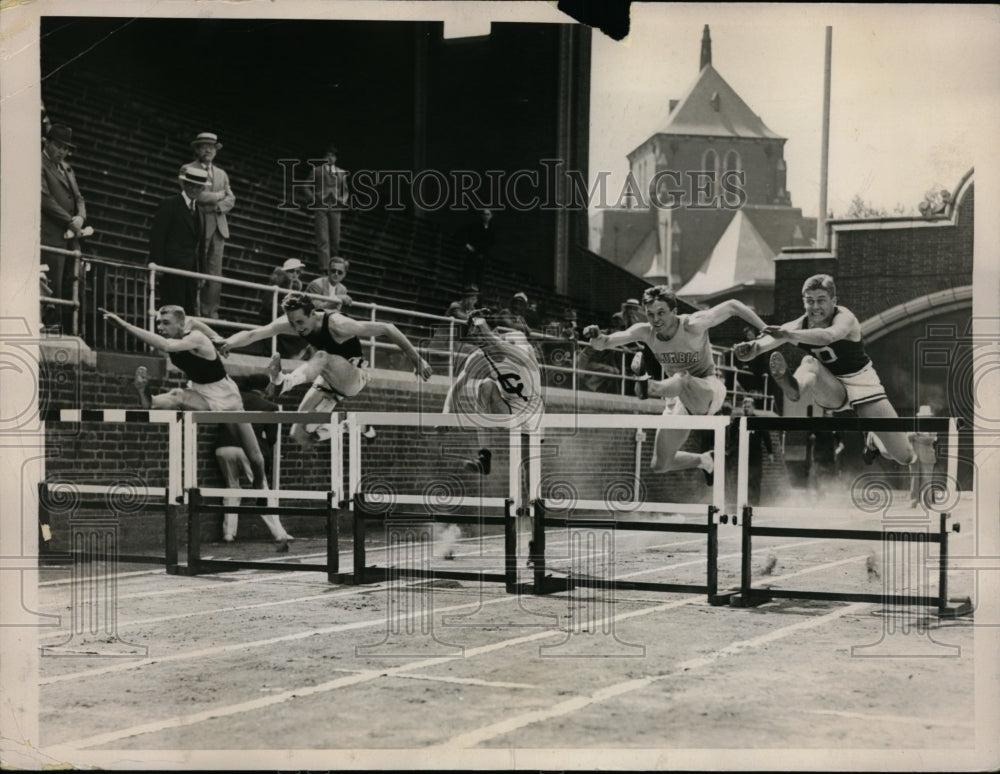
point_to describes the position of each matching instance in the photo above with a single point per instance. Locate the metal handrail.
(452, 352)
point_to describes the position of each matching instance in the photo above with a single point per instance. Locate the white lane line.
(506, 726)
(208, 652)
(234, 608)
(215, 584)
(703, 559)
(67, 568)
(465, 681)
(351, 680)
(185, 720)
(895, 719)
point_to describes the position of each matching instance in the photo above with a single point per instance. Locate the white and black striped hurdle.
(904, 538)
(713, 512)
(195, 495)
(123, 490)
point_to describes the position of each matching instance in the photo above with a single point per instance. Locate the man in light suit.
(175, 240)
(63, 209)
(214, 202)
(333, 196)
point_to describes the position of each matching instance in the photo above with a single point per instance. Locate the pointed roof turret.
(706, 49)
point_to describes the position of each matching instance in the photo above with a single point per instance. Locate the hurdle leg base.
(723, 599)
(754, 599)
(961, 606)
(549, 585)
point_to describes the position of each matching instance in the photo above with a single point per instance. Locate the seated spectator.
(288, 345)
(293, 268)
(332, 286)
(516, 315)
(633, 312)
(470, 300)
(617, 323)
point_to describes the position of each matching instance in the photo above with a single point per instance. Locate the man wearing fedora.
(332, 200)
(64, 211)
(214, 201)
(175, 240)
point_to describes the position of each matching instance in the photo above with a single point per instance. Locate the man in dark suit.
(478, 238)
(63, 209)
(175, 239)
(332, 195)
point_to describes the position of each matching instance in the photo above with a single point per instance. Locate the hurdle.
(169, 495)
(372, 508)
(749, 596)
(546, 584)
(195, 495)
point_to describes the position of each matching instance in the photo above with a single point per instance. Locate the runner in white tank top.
(681, 345)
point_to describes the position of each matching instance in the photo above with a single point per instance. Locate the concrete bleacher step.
(132, 143)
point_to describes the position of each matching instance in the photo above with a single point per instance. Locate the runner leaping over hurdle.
(681, 345)
(501, 377)
(837, 374)
(209, 389)
(337, 370)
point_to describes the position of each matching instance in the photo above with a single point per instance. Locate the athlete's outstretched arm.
(844, 325)
(600, 341)
(344, 326)
(719, 313)
(218, 341)
(274, 328)
(195, 341)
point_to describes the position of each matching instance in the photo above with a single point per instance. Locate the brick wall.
(877, 268)
(576, 464)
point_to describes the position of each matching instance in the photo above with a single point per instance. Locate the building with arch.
(710, 163)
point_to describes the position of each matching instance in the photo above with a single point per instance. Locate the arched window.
(733, 161)
(710, 165)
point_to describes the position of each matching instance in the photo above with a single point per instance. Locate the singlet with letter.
(684, 351)
(199, 370)
(322, 340)
(513, 367)
(841, 357)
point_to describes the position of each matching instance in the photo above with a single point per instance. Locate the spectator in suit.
(477, 239)
(332, 196)
(332, 286)
(175, 239)
(64, 212)
(214, 201)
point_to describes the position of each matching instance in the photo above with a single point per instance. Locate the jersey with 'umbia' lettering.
(684, 351)
(841, 357)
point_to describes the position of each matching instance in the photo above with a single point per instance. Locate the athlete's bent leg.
(244, 432)
(896, 445)
(299, 432)
(666, 454)
(231, 461)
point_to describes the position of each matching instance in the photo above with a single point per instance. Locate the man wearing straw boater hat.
(214, 201)
(175, 239)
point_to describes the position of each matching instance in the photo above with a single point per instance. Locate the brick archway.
(915, 310)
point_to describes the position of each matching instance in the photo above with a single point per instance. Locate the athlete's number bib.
(824, 354)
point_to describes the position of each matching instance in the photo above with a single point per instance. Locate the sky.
(912, 90)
